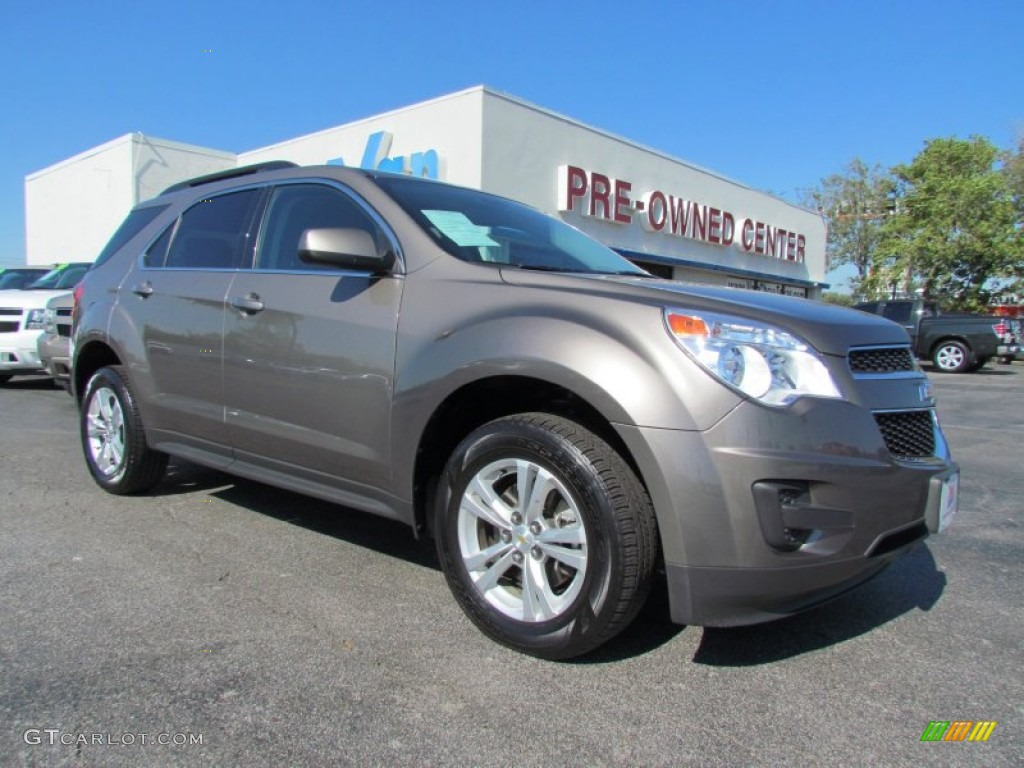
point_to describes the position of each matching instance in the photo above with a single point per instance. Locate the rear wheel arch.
(89, 359)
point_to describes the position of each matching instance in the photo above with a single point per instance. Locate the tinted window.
(475, 226)
(213, 233)
(156, 254)
(297, 207)
(71, 277)
(19, 279)
(898, 313)
(130, 227)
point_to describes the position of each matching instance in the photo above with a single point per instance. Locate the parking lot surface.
(223, 622)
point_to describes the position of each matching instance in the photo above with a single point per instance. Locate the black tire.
(586, 492)
(113, 437)
(952, 356)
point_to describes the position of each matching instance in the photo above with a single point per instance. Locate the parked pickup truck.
(954, 342)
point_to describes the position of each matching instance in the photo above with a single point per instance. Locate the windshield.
(60, 277)
(17, 279)
(474, 226)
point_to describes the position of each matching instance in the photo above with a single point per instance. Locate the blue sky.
(774, 94)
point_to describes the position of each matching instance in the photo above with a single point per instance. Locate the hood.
(17, 298)
(828, 328)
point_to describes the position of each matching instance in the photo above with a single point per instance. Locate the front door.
(309, 350)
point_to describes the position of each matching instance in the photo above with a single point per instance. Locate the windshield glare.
(474, 226)
(61, 277)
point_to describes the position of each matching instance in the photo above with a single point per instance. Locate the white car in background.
(22, 318)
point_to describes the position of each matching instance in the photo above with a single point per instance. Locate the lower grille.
(64, 330)
(9, 327)
(908, 434)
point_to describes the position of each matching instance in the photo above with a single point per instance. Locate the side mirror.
(345, 248)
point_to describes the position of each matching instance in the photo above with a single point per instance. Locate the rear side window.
(156, 254)
(898, 313)
(130, 227)
(213, 233)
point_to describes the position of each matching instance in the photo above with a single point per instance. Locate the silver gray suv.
(565, 425)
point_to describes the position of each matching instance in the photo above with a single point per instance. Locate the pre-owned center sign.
(603, 197)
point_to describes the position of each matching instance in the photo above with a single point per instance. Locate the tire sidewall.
(550, 450)
(109, 378)
(963, 366)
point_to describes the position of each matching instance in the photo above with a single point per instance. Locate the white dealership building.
(668, 215)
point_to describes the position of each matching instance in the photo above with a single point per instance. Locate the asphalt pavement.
(220, 622)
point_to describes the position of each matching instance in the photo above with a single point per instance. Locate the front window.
(478, 227)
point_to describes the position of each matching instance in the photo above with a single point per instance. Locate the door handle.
(143, 290)
(248, 305)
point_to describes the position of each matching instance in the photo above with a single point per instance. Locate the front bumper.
(19, 352)
(54, 354)
(773, 511)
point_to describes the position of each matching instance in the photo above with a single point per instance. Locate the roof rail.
(230, 173)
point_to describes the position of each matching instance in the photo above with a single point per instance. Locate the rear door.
(309, 350)
(176, 296)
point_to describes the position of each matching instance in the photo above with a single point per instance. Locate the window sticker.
(456, 226)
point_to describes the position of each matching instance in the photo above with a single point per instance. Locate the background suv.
(22, 315)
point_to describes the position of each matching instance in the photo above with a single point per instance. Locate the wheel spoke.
(571, 534)
(116, 453)
(95, 427)
(481, 501)
(490, 577)
(534, 485)
(536, 605)
(574, 558)
(484, 556)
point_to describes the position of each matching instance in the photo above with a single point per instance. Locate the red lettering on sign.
(714, 226)
(600, 190)
(622, 189)
(698, 221)
(747, 235)
(728, 228)
(657, 213)
(679, 210)
(572, 184)
(801, 242)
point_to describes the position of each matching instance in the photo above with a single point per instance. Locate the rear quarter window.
(135, 222)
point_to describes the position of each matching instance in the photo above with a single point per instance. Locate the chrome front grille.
(881, 360)
(908, 434)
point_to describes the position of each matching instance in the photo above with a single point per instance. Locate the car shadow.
(389, 537)
(29, 383)
(913, 582)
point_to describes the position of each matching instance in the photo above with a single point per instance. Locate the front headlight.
(34, 320)
(760, 360)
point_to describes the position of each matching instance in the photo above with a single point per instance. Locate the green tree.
(854, 203)
(956, 229)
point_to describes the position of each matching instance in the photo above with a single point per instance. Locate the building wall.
(72, 208)
(158, 163)
(477, 138)
(526, 147)
(443, 134)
